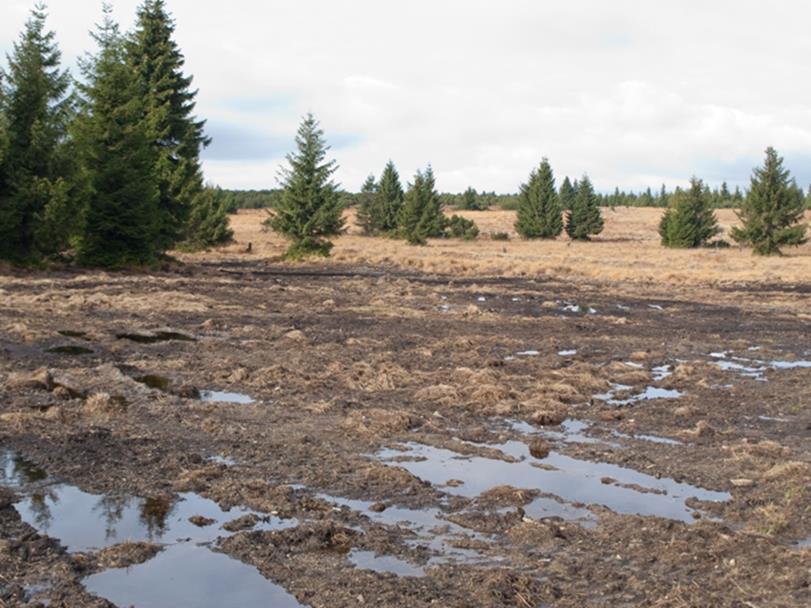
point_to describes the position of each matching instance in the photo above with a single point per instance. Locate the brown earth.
(378, 349)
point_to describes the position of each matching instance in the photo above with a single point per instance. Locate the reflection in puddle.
(573, 431)
(189, 575)
(544, 507)
(386, 564)
(185, 573)
(224, 397)
(573, 480)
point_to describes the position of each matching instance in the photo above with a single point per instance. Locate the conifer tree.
(368, 212)
(773, 209)
(689, 221)
(37, 108)
(389, 199)
(566, 195)
(471, 201)
(207, 225)
(421, 217)
(539, 210)
(310, 208)
(585, 218)
(116, 158)
(176, 135)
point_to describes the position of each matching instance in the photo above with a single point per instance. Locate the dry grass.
(628, 250)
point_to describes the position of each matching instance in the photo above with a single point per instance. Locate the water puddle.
(528, 353)
(576, 308)
(545, 507)
(432, 530)
(755, 368)
(229, 462)
(189, 575)
(73, 351)
(572, 431)
(575, 481)
(185, 572)
(224, 397)
(650, 438)
(567, 353)
(656, 306)
(385, 564)
(650, 393)
(152, 338)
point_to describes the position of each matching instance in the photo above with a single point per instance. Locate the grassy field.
(628, 250)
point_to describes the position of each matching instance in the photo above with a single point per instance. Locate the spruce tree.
(310, 208)
(207, 225)
(368, 213)
(176, 135)
(471, 201)
(689, 221)
(37, 108)
(772, 211)
(421, 217)
(539, 209)
(389, 199)
(566, 195)
(585, 218)
(117, 160)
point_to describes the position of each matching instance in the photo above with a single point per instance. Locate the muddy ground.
(562, 445)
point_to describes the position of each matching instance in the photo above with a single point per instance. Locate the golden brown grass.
(628, 250)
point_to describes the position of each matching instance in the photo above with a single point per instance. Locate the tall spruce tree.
(689, 221)
(773, 209)
(116, 158)
(176, 135)
(539, 210)
(368, 211)
(389, 199)
(566, 194)
(37, 107)
(421, 217)
(585, 219)
(310, 206)
(207, 225)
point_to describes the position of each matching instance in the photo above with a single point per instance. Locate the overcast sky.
(635, 92)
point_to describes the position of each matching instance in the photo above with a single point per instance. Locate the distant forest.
(720, 198)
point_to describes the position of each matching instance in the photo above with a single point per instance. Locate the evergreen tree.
(421, 217)
(773, 209)
(567, 194)
(37, 108)
(310, 206)
(539, 210)
(471, 201)
(207, 225)
(175, 133)
(689, 221)
(585, 218)
(117, 160)
(663, 199)
(389, 199)
(368, 213)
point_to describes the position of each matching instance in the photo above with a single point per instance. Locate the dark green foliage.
(34, 191)
(585, 219)
(367, 213)
(207, 225)
(421, 217)
(459, 227)
(471, 201)
(499, 236)
(689, 221)
(117, 161)
(176, 135)
(389, 199)
(310, 208)
(539, 210)
(566, 194)
(773, 209)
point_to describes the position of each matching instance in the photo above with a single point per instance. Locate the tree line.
(105, 168)
(308, 209)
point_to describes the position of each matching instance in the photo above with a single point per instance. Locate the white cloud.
(634, 93)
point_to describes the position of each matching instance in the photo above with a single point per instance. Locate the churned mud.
(234, 433)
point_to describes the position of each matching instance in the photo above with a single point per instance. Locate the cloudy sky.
(636, 93)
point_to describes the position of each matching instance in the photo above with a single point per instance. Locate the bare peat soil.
(242, 434)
